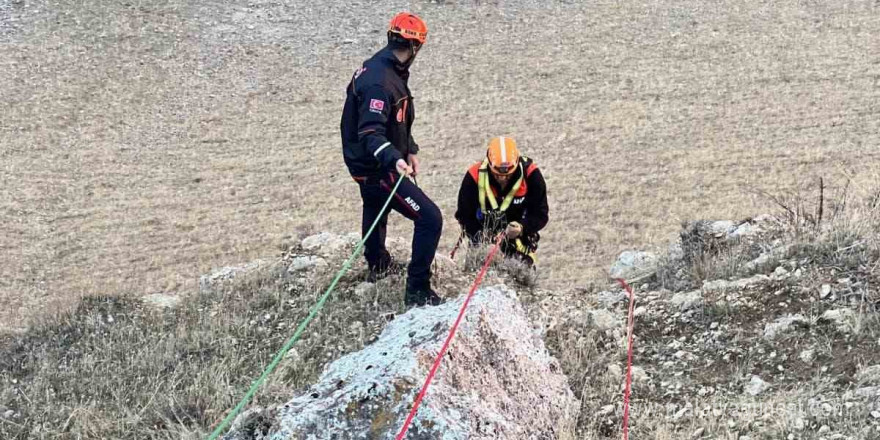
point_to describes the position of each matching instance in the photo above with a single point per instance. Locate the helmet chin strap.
(412, 54)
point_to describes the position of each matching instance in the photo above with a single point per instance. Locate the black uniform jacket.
(377, 117)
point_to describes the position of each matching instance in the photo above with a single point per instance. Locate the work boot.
(387, 266)
(421, 297)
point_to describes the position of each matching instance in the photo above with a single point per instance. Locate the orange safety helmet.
(409, 26)
(503, 155)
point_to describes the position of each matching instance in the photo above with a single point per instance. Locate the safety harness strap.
(525, 250)
(486, 191)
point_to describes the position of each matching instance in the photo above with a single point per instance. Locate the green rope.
(278, 356)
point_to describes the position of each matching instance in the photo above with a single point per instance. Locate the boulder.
(721, 228)
(784, 325)
(807, 356)
(687, 300)
(756, 386)
(699, 236)
(306, 262)
(363, 289)
(206, 282)
(735, 230)
(843, 319)
(603, 320)
(609, 299)
(497, 381)
(768, 258)
(327, 244)
(631, 265)
(727, 286)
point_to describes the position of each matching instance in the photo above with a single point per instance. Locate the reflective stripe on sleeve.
(379, 150)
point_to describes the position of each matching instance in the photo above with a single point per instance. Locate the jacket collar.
(387, 56)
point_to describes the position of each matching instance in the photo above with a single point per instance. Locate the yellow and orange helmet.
(503, 155)
(410, 27)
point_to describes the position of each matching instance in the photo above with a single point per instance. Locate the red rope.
(629, 357)
(437, 361)
(457, 244)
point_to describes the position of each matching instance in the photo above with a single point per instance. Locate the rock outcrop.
(632, 265)
(740, 315)
(497, 381)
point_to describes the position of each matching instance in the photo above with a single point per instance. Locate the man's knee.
(431, 217)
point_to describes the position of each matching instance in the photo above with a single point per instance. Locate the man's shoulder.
(373, 73)
(367, 76)
(474, 169)
(529, 165)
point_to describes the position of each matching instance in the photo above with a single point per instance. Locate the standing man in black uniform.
(378, 148)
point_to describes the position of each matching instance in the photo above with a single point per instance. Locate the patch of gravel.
(714, 359)
(9, 11)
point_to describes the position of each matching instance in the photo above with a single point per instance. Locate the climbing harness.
(486, 191)
(525, 250)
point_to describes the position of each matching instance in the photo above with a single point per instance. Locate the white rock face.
(497, 381)
(633, 264)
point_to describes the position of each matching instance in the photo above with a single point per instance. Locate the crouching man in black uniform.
(379, 149)
(504, 192)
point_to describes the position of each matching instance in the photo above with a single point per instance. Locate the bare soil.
(142, 143)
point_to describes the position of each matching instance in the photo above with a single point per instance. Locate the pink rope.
(440, 355)
(629, 357)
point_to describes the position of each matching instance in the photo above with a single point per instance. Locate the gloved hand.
(514, 230)
(403, 168)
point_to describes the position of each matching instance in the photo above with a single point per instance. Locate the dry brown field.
(143, 143)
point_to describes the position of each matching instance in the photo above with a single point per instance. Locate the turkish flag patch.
(377, 105)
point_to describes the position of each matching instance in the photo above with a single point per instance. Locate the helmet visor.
(503, 169)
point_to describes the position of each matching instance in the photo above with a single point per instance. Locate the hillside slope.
(763, 329)
(145, 142)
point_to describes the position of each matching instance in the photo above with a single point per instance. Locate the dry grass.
(806, 396)
(145, 142)
(113, 368)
